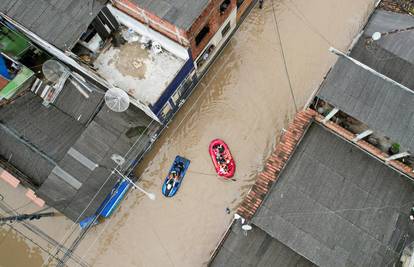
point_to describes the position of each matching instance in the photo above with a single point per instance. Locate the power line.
(185, 116)
(307, 22)
(283, 56)
(83, 233)
(34, 229)
(30, 239)
(64, 240)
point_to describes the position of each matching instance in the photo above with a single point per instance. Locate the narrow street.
(245, 99)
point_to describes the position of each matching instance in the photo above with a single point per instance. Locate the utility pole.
(149, 195)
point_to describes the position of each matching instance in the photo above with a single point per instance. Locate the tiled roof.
(284, 150)
(275, 163)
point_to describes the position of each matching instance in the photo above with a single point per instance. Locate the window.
(167, 108)
(224, 5)
(225, 29)
(200, 36)
(239, 3)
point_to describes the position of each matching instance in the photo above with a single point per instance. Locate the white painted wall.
(144, 30)
(217, 40)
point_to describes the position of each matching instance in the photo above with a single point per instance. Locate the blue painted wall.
(172, 87)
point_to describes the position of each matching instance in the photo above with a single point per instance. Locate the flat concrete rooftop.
(138, 70)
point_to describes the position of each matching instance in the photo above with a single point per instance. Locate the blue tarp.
(3, 68)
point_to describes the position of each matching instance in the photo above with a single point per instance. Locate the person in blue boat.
(174, 175)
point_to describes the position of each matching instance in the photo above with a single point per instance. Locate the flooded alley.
(270, 67)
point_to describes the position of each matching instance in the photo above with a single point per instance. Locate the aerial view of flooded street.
(121, 122)
(268, 70)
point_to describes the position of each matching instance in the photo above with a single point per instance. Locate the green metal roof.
(18, 81)
(12, 43)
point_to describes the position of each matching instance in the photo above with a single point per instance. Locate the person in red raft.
(221, 158)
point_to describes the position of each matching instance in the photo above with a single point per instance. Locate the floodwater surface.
(245, 99)
(15, 250)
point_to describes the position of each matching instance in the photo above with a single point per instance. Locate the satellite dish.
(57, 73)
(376, 36)
(53, 70)
(246, 227)
(117, 100)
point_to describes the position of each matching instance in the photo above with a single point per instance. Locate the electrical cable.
(70, 229)
(9, 211)
(185, 116)
(283, 57)
(66, 237)
(307, 22)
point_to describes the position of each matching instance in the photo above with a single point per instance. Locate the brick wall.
(275, 163)
(154, 22)
(364, 145)
(285, 149)
(243, 8)
(211, 16)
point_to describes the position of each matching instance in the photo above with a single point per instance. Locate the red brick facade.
(153, 21)
(275, 163)
(211, 16)
(285, 149)
(242, 8)
(398, 165)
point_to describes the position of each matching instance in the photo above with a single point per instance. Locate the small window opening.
(225, 30)
(200, 36)
(239, 3)
(224, 5)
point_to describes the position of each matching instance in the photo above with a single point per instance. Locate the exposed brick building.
(196, 24)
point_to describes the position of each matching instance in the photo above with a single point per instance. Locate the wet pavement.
(245, 99)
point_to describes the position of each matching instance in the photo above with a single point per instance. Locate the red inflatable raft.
(222, 158)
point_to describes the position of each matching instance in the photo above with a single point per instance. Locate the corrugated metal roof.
(59, 22)
(64, 181)
(400, 44)
(103, 137)
(385, 21)
(256, 248)
(337, 206)
(383, 106)
(76, 105)
(181, 13)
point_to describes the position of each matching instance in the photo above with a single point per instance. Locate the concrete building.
(58, 139)
(322, 200)
(55, 141)
(201, 25)
(334, 193)
(376, 95)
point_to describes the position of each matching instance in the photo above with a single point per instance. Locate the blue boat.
(114, 198)
(109, 204)
(175, 176)
(88, 221)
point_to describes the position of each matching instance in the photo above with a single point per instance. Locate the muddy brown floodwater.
(244, 99)
(16, 251)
